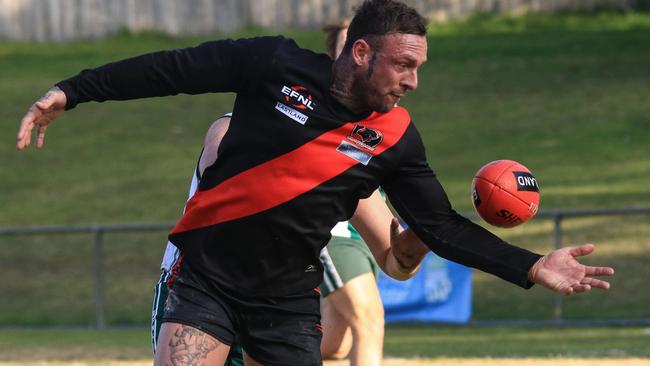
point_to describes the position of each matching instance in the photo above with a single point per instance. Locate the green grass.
(50, 279)
(74, 345)
(516, 342)
(568, 96)
(408, 342)
(527, 23)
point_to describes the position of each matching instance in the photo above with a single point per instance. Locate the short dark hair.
(382, 17)
(331, 36)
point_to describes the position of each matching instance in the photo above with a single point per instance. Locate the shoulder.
(261, 47)
(289, 50)
(278, 49)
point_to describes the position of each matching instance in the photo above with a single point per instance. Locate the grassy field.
(427, 345)
(567, 96)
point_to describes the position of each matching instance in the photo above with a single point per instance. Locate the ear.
(361, 52)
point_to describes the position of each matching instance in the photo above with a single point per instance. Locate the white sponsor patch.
(354, 152)
(291, 113)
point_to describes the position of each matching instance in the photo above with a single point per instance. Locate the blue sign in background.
(441, 291)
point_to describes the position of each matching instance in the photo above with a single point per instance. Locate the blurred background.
(562, 86)
(61, 20)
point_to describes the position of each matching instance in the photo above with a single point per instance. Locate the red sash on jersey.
(288, 176)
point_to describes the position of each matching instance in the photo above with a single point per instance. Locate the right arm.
(219, 66)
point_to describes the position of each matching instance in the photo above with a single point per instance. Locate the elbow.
(402, 274)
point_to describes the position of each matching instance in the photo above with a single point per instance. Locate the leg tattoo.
(189, 346)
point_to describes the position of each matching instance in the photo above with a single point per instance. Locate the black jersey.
(293, 163)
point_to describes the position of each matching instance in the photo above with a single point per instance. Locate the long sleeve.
(218, 66)
(419, 198)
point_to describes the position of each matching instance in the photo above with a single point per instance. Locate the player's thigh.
(180, 344)
(359, 300)
(337, 336)
(334, 324)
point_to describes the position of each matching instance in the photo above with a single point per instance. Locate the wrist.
(534, 269)
(406, 265)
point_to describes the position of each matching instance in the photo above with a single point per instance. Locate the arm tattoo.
(52, 89)
(189, 346)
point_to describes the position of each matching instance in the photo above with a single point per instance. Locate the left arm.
(419, 198)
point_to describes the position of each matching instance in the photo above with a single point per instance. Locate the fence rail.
(62, 20)
(558, 216)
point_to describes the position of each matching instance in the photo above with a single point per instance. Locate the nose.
(410, 81)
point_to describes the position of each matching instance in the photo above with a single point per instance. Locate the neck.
(342, 83)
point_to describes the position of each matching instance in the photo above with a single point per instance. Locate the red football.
(505, 193)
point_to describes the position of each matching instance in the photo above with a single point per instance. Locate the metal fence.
(98, 232)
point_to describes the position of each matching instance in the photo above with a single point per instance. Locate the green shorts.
(344, 259)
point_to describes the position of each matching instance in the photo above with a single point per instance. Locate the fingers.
(40, 136)
(394, 227)
(581, 250)
(565, 291)
(580, 288)
(40, 114)
(595, 283)
(599, 271)
(585, 285)
(26, 125)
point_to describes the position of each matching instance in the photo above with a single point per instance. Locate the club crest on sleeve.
(365, 137)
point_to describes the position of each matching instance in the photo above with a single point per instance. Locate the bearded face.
(389, 70)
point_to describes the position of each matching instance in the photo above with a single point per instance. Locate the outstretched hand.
(560, 272)
(40, 115)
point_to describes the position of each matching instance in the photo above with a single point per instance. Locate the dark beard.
(360, 88)
(368, 102)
